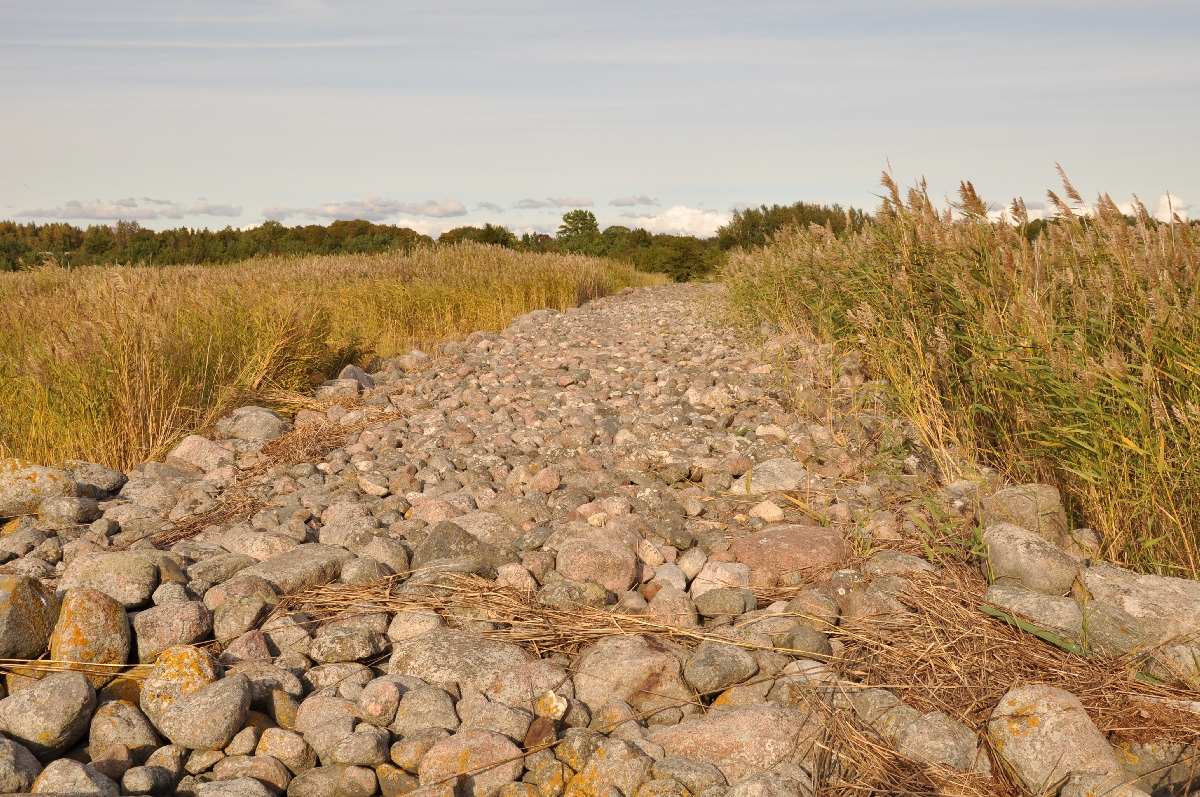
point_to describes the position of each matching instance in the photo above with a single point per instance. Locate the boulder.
(1017, 557)
(24, 486)
(302, 567)
(774, 475)
(208, 718)
(200, 455)
(607, 562)
(1034, 507)
(643, 671)
(743, 741)
(791, 549)
(92, 628)
(491, 759)
(28, 612)
(253, 423)
(51, 714)
(67, 776)
(445, 657)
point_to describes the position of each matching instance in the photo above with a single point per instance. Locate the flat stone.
(790, 549)
(208, 718)
(491, 759)
(302, 567)
(1060, 616)
(445, 657)
(50, 715)
(28, 612)
(92, 628)
(24, 486)
(743, 741)
(130, 580)
(774, 475)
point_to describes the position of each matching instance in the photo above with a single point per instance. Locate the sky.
(664, 115)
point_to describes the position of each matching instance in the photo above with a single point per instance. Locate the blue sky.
(439, 114)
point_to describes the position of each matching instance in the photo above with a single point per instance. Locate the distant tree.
(577, 223)
(487, 234)
(755, 226)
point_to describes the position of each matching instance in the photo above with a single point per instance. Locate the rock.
(742, 741)
(130, 580)
(358, 375)
(424, 707)
(567, 594)
(1034, 507)
(18, 767)
(119, 722)
(896, 563)
(808, 642)
(1017, 557)
(50, 715)
(66, 776)
(720, 575)
(253, 423)
(498, 718)
(147, 780)
(1089, 784)
(92, 628)
(722, 602)
(114, 762)
(936, 738)
(445, 657)
(607, 562)
(69, 510)
(716, 665)
(302, 567)
(490, 528)
(28, 612)
(1059, 616)
(774, 475)
(105, 481)
(546, 480)
(408, 624)
(640, 670)
(169, 626)
(672, 607)
(337, 780)
(25, 486)
(365, 747)
(268, 771)
(770, 784)
(325, 721)
(695, 776)
(208, 718)
(242, 787)
(790, 549)
(178, 672)
(448, 540)
(347, 644)
(1044, 734)
(766, 511)
(490, 759)
(288, 747)
(616, 763)
(199, 455)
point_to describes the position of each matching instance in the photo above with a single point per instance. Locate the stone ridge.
(633, 459)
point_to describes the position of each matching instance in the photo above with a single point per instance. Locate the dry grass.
(1074, 359)
(115, 364)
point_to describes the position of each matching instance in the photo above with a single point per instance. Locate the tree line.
(683, 257)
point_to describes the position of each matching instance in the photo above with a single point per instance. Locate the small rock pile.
(631, 459)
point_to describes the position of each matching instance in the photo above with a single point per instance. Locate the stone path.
(598, 553)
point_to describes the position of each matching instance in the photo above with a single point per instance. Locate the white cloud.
(554, 202)
(373, 207)
(631, 201)
(738, 207)
(129, 209)
(682, 220)
(492, 206)
(1169, 204)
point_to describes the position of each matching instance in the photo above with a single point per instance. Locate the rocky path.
(622, 550)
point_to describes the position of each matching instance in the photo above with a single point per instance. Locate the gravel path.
(602, 552)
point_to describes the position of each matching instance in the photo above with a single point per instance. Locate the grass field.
(115, 364)
(1074, 359)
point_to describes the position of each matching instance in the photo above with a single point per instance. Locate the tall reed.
(1072, 359)
(114, 364)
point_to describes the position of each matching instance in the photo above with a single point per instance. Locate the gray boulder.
(716, 665)
(253, 423)
(1018, 557)
(28, 612)
(25, 486)
(50, 715)
(446, 657)
(18, 767)
(208, 718)
(1059, 616)
(1035, 507)
(67, 776)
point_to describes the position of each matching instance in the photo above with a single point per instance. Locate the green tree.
(578, 223)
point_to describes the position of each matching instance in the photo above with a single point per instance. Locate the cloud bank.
(373, 207)
(130, 209)
(681, 220)
(631, 201)
(554, 202)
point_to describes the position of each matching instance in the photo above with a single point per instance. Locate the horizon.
(229, 114)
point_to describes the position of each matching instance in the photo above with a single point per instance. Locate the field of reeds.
(114, 364)
(1073, 359)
